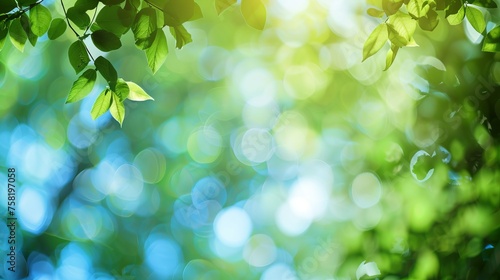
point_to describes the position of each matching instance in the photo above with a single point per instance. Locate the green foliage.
(476, 18)
(105, 40)
(402, 18)
(78, 56)
(117, 109)
(105, 21)
(492, 40)
(157, 52)
(40, 18)
(82, 86)
(137, 93)
(57, 28)
(375, 41)
(102, 104)
(17, 34)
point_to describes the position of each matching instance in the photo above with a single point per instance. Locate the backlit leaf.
(375, 41)
(144, 27)
(137, 93)
(157, 52)
(117, 109)
(101, 104)
(40, 18)
(492, 40)
(17, 34)
(181, 35)
(122, 90)
(475, 18)
(401, 28)
(82, 86)
(391, 56)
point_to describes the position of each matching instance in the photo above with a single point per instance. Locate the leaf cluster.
(105, 22)
(402, 17)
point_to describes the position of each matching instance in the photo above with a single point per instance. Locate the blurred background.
(266, 155)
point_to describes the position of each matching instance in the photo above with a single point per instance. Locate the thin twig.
(67, 19)
(153, 5)
(93, 19)
(76, 33)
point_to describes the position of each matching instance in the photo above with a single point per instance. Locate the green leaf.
(107, 71)
(137, 93)
(455, 13)
(492, 40)
(111, 2)
(391, 56)
(475, 18)
(109, 19)
(222, 5)
(484, 3)
(117, 109)
(122, 90)
(375, 13)
(430, 21)
(157, 52)
(82, 86)
(25, 23)
(26, 2)
(105, 41)
(181, 35)
(4, 31)
(144, 27)
(78, 56)
(7, 6)
(391, 7)
(197, 13)
(101, 104)
(254, 12)
(176, 12)
(17, 34)
(78, 17)
(418, 8)
(401, 28)
(57, 28)
(40, 18)
(133, 4)
(375, 41)
(86, 5)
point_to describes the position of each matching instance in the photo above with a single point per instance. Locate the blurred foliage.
(273, 154)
